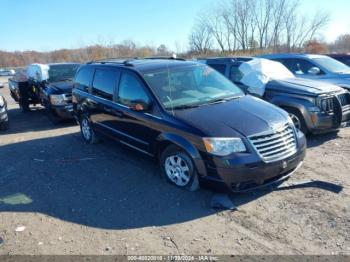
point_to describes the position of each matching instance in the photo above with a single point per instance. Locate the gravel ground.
(61, 196)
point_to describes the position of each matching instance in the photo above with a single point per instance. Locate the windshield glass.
(62, 72)
(332, 65)
(191, 86)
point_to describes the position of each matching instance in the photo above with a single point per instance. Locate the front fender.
(299, 104)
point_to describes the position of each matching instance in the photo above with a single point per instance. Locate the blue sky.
(52, 24)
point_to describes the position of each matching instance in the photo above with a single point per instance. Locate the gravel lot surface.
(61, 196)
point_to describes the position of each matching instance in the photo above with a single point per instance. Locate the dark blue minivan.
(203, 129)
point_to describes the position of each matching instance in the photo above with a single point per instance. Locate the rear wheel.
(298, 120)
(87, 132)
(178, 169)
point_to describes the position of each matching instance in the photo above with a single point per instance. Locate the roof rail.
(115, 60)
(173, 57)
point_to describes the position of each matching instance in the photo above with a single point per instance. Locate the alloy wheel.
(296, 121)
(177, 170)
(85, 129)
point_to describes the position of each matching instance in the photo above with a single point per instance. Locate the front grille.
(344, 99)
(327, 105)
(275, 145)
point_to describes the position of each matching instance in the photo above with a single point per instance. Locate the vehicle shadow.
(38, 121)
(103, 185)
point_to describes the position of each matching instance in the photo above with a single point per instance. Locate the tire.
(298, 120)
(178, 169)
(86, 130)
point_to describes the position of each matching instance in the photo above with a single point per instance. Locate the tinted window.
(299, 66)
(131, 89)
(61, 72)
(83, 78)
(235, 74)
(104, 83)
(219, 67)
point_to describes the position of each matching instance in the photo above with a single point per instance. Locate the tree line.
(94, 52)
(241, 25)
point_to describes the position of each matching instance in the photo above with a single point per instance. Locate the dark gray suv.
(314, 106)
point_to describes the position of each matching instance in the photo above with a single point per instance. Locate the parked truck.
(49, 85)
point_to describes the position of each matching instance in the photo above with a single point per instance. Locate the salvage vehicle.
(200, 126)
(4, 119)
(314, 106)
(49, 85)
(343, 58)
(315, 67)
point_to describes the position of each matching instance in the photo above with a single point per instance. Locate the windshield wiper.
(222, 100)
(182, 107)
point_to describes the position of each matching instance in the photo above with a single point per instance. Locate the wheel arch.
(295, 104)
(166, 139)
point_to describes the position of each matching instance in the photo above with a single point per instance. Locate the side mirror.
(314, 71)
(140, 105)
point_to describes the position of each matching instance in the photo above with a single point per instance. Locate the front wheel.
(178, 169)
(87, 131)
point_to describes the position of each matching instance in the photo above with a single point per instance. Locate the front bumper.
(250, 173)
(64, 112)
(322, 123)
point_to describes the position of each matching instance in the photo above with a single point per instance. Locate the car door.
(137, 129)
(102, 106)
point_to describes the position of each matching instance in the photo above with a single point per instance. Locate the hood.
(302, 86)
(62, 87)
(244, 116)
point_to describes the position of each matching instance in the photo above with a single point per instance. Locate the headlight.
(224, 146)
(2, 101)
(58, 100)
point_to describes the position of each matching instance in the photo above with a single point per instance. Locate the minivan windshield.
(191, 86)
(332, 65)
(62, 72)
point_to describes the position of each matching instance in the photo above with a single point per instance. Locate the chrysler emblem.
(284, 164)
